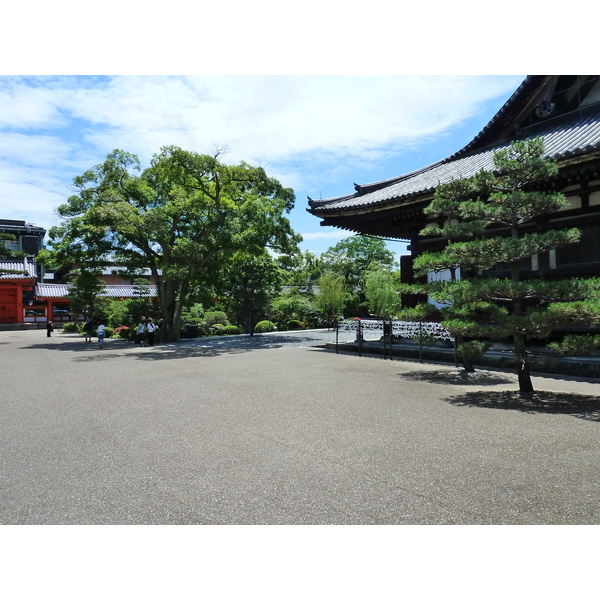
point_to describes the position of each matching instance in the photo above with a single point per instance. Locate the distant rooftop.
(20, 264)
(58, 290)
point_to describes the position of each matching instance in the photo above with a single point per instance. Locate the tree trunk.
(525, 383)
(466, 363)
(459, 339)
(167, 299)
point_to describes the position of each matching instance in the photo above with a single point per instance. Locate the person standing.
(151, 328)
(49, 329)
(88, 327)
(140, 337)
(100, 334)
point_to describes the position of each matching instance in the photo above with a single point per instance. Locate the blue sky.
(316, 134)
(323, 95)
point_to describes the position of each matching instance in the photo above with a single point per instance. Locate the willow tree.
(381, 292)
(485, 222)
(332, 291)
(177, 217)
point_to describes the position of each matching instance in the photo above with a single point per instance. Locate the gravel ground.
(272, 429)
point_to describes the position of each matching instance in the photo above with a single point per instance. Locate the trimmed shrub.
(474, 349)
(71, 327)
(264, 327)
(230, 330)
(216, 317)
(122, 333)
(294, 324)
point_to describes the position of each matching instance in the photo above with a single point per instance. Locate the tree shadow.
(149, 354)
(198, 347)
(459, 377)
(557, 403)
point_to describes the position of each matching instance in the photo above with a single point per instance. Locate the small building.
(19, 273)
(29, 239)
(17, 283)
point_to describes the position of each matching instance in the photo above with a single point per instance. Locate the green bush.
(576, 345)
(193, 315)
(122, 333)
(216, 317)
(71, 327)
(294, 324)
(474, 349)
(204, 330)
(264, 327)
(230, 330)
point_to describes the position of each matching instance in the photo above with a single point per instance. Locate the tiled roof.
(18, 265)
(51, 290)
(8, 225)
(564, 138)
(57, 290)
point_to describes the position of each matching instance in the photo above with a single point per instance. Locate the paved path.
(269, 430)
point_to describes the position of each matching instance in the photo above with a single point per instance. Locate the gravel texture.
(273, 429)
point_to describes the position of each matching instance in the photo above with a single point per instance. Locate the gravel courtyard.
(274, 430)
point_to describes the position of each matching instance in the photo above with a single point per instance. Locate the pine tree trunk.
(525, 383)
(466, 363)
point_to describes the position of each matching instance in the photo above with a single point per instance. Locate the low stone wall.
(584, 366)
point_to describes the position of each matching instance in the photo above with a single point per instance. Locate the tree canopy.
(180, 216)
(330, 299)
(381, 291)
(354, 256)
(251, 284)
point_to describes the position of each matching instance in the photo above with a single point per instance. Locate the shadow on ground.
(201, 347)
(459, 377)
(576, 405)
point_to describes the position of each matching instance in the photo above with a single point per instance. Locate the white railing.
(403, 329)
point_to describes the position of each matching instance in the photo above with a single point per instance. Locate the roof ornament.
(545, 108)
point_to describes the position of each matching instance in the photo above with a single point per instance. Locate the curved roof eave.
(569, 141)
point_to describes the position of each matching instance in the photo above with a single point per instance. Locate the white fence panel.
(404, 329)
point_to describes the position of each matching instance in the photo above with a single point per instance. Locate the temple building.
(19, 272)
(29, 295)
(563, 110)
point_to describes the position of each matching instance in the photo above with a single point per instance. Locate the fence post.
(360, 337)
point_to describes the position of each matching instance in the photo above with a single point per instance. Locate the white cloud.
(272, 117)
(305, 130)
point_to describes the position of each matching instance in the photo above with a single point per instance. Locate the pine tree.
(487, 221)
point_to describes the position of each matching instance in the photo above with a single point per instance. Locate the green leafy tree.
(302, 269)
(354, 256)
(253, 282)
(84, 293)
(506, 200)
(381, 292)
(292, 306)
(331, 296)
(181, 216)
